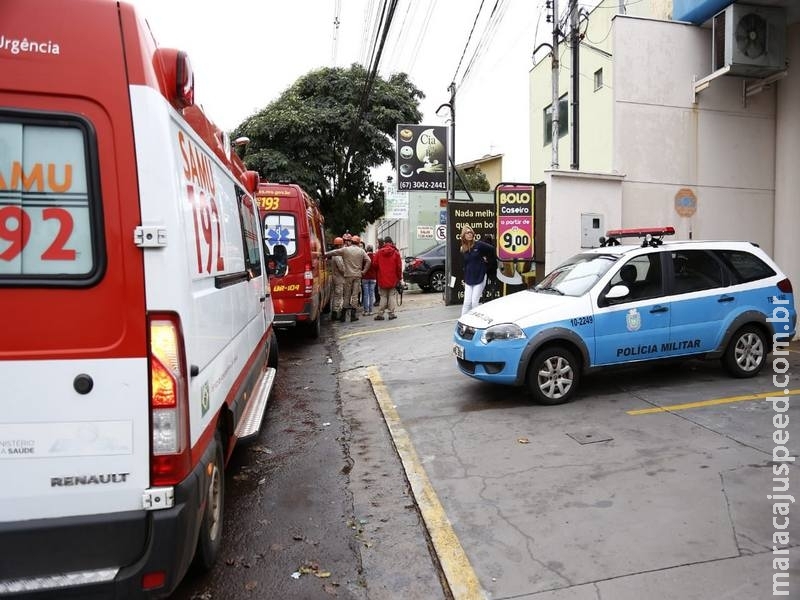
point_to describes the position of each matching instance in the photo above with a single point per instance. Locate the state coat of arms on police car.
(633, 320)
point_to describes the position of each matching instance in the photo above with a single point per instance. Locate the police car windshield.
(577, 275)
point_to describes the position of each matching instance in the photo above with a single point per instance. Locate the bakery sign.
(421, 158)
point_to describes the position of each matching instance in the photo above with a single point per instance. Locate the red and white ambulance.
(136, 340)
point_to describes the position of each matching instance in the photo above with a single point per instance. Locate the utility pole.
(451, 180)
(576, 81)
(554, 105)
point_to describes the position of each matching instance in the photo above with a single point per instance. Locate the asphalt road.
(319, 506)
(381, 464)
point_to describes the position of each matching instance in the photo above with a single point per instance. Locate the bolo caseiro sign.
(514, 222)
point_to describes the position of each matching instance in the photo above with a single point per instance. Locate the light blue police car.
(621, 304)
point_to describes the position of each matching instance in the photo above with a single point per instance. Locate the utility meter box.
(592, 227)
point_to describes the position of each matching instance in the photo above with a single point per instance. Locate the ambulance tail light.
(308, 278)
(170, 460)
(785, 286)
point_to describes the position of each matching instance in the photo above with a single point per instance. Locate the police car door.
(634, 327)
(699, 303)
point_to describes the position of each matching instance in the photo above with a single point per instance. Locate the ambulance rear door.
(74, 430)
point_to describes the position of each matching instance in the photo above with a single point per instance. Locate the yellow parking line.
(730, 400)
(461, 578)
(394, 328)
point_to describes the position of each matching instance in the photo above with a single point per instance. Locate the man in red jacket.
(390, 273)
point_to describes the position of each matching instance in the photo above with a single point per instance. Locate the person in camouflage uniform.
(337, 272)
(356, 263)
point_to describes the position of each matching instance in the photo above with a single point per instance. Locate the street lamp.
(451, 171)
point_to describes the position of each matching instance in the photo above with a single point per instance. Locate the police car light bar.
(652, 235)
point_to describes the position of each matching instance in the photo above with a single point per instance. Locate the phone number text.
(422, 185)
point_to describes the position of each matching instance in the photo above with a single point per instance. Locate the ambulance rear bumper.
(102, 556)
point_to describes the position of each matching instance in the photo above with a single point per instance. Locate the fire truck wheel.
(314, 328)
(210, 537)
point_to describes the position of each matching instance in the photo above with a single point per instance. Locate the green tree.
(322, 135)
(475, 179)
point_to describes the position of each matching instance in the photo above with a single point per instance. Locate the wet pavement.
(318, 507)
(384, 466)
(610, 496)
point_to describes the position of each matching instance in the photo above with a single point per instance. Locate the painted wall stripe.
(461, 578)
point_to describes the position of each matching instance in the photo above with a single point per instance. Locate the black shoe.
(342, 316)
(392, 317)
(334, 315)
(379, 317)
(353, 315)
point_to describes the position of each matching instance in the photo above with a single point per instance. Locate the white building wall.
(787, 166)
(717, 147)
(570, 194)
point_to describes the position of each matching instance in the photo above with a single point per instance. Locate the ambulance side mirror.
(277, 262)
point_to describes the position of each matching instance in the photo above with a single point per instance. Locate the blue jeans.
(368, 294)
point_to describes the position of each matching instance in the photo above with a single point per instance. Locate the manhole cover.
(590, 437)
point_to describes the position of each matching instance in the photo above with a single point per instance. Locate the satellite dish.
(751, 35)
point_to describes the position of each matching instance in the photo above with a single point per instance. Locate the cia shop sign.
(421, 158)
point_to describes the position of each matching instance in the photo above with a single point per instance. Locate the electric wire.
(337, 10)
(495, 18)
(469, 37)
(402, 36)
(622, 4)
(387, 15)
(379, 31)
(371, 29)
(421, 35)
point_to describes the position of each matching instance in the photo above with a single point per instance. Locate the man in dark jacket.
(390, 273)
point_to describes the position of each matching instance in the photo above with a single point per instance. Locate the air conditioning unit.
(750, 40)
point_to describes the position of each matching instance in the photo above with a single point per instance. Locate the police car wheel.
(210, 536)
(746, 353)
(553, 376)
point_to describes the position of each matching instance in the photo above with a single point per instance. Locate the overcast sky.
(245, 53)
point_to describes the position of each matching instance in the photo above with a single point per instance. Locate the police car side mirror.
(277, 262)
(617, 292)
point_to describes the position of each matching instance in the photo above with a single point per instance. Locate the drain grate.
(590, 437)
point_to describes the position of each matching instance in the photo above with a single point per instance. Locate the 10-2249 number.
(578, 321)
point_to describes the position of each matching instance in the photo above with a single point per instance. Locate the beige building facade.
(651, 137)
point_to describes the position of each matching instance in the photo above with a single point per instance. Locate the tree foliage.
(474, 178)
(321, 135)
